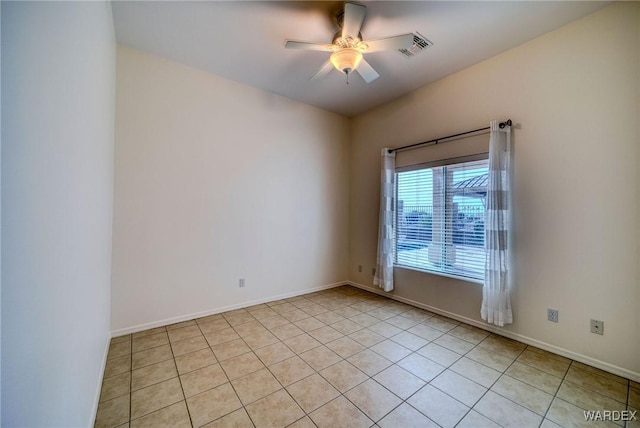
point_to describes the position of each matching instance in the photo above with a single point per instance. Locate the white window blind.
(440, 218)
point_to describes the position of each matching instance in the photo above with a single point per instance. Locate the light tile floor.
(346, 358)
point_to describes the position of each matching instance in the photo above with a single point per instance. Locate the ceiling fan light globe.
(346, 60)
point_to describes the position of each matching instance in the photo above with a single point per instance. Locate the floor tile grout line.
(158, 409)
(503, 373)
(370, 378)
(540, 369)
(593, 392)
(422, 413)
(628, 404)
(265, 366)
(285, 388)
(130, 380)
(175, 364)
(605, 376)
(448, 367)
(308, 414)
(564, 379)
(402, 401)
(362, 410)
(555, 395)
(179, 380)
(243, 406)
(454, 398)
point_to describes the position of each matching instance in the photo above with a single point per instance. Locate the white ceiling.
(244, 41)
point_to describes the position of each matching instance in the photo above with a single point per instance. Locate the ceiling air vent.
(419, 45)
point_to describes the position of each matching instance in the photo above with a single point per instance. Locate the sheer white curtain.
(386, 233)
(496, 302)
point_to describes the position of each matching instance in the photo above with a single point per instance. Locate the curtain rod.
(437, 140)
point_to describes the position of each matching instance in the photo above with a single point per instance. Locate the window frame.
(422, 166)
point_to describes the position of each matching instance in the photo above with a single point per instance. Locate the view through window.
(440, 218)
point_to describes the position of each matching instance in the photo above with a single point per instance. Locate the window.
(440, 217)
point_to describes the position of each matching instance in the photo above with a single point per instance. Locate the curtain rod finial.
(505, 123)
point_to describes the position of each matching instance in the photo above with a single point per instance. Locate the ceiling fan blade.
(323, 71)
(291, 44)
(367, 72)
(353, 18)
(404, 41)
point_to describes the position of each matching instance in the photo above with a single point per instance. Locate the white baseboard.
(511, 335)
(96, 400)
(160, 323)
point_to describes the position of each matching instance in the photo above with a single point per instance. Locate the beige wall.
(574, 95)
(58, 102)
(216, 181)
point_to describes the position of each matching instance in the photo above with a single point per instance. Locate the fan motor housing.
(339, 41)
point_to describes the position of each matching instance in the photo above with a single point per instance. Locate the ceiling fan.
(348, 47)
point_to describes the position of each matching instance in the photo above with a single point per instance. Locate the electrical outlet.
(359, 268)
(241, 282)
(597, 327)
(552, 315)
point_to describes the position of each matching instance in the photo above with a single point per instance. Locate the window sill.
(447, 275)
